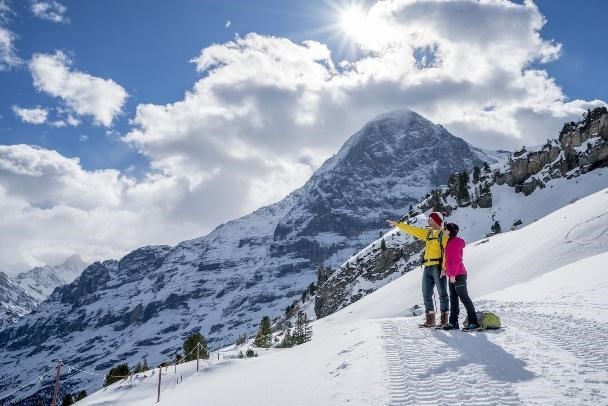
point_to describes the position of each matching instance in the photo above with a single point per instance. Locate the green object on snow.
(488, 320)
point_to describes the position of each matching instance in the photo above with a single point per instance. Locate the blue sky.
(182, 124)
(146, 47)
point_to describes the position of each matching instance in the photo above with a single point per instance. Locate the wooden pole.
(198, 347)
(160, 372)
(56, 390)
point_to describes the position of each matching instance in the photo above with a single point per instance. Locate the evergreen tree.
(287, 340)
(68, 400)
(303, 330)
(463, 190)
(145, 366)
(304, 295)
(383, 245)
(116, 374)
(312, 288)
(241, 339)
(81, 395)
(476, 174)
(486, 167)
(264, 337)
(190, 344)
(496, 229)
(249, 353)
(138, 368)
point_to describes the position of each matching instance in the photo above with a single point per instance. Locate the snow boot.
(429, 320)
(444, 319)
(449, 326)
(471, 327)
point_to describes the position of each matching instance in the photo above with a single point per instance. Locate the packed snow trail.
(544, 358)
(428, 366)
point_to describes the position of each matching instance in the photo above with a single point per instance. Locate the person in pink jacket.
(456, 272)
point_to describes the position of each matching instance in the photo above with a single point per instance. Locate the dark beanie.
(452, 228)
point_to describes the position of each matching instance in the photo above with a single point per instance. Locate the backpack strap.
(429, 236)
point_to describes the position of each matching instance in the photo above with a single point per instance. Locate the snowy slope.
(14, 301)
(548, 283)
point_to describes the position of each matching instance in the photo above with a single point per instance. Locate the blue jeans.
(431, 277)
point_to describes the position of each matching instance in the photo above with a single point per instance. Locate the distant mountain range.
(20, 294)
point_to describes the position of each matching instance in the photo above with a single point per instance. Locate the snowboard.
(483, 329)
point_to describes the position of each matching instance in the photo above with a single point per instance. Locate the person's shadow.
(477, 349)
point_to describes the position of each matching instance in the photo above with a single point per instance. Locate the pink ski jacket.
(453, 257)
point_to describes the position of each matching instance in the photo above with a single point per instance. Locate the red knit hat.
(437, 217)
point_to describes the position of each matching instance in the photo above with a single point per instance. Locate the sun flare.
(352, 20)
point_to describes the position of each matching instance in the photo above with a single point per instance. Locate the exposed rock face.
(14, 301)
(520, 169)
(223, 283)
(357, 278)
(581, 149)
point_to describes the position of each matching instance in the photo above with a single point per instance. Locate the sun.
(352, 20)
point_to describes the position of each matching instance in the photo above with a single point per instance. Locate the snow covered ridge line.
(372, 353)
(20, 294)
(487, 200)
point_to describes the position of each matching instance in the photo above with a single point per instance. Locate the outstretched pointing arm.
(417, 232)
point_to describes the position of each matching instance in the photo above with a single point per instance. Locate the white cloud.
(227, 24)
(51, 207)
(66, 119)
(36, 115)
(8, 53)
(265, 105)
(267, 111)
(83, 93)
(50, 10)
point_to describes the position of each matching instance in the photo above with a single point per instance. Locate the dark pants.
(431, 277)
(458, 290)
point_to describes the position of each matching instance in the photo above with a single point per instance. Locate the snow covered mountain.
(20, 294)
(40, 282)
(533, 183)
(14, 301)
(554, 349)
(223, 283)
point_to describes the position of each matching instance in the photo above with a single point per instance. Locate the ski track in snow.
(560, 353)
(421, 372)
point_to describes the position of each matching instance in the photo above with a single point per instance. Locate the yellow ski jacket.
(432, 250)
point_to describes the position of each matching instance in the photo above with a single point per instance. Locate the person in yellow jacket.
(433, 274)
